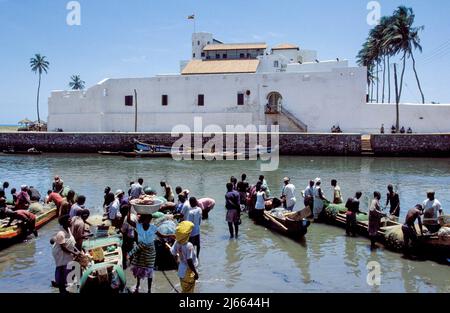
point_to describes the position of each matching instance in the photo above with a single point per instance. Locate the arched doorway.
(274, 102)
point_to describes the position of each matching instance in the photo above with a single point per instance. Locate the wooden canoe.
(151, 154)
(22, 152)
(106, 266)
(14, 232)
(429, 243)
(145, 147)
(109, 153)
(141, 154)
(294, 225)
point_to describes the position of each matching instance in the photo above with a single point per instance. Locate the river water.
(260, 260)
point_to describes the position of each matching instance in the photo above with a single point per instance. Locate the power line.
(437, 57)
(442, 48)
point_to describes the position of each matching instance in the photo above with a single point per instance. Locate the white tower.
(199, 41)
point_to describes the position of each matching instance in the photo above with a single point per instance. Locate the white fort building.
(240, 84)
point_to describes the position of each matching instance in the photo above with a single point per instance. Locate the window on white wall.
(275, 64)
(240, 98)
(165, 100)
(201, 100)
(129, 101)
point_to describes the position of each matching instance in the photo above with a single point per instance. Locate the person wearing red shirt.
(23, 199)
(27, 219)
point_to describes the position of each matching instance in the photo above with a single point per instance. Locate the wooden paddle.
(275, 221)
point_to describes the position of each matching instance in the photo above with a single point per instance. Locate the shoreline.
(301, 144)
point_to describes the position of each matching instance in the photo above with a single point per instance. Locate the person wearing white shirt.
(288, 194)
(432, 211)
(113, 210)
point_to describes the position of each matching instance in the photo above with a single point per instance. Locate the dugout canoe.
(294, 225)
(13, 152)
(390, 233)
(153, 154)
(109, 153)
(14, 233)
(104, 273)
(145, 147)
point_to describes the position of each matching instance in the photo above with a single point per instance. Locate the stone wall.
(290, 143)
(415, 145)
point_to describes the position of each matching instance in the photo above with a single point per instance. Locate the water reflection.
(261, 260)
(232, 266)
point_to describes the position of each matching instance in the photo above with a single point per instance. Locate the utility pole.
(135, 110)
(397, 100)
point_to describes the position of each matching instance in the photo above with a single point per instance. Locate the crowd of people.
(255, 199)
(394, 130)
(139, 233)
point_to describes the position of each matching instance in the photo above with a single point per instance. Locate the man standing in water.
(195, 217)
(375, 215)
(232, 204)
(432, 211)
(309, 195)
(288, 194)
(353, 210)
(242, 188)
(58, 185)
(394, 200)
(337, 195)
(136, 189)
(409, 229)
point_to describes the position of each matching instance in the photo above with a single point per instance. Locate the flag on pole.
(191, 17)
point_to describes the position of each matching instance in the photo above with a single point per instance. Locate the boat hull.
(22, 152)
(430, 246)
(15, 234)
(294, 227)
(97, 277)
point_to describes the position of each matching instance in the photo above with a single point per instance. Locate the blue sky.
(140, 38)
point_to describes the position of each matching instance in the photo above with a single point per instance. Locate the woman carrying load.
(142, 256)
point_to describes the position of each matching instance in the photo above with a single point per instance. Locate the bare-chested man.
(409, 229)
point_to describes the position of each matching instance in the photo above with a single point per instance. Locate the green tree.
(76, 83)
(402, 37)
(39, 65)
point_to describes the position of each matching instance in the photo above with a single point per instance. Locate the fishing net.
(394, 237)
(278, 212)
(165, 223)
(167, 227)
(332, 210)
(362, 218)
(444, 232)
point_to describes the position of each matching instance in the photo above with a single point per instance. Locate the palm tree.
(366, 58)
(403, 38)
(76, 83)
(39, 64)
